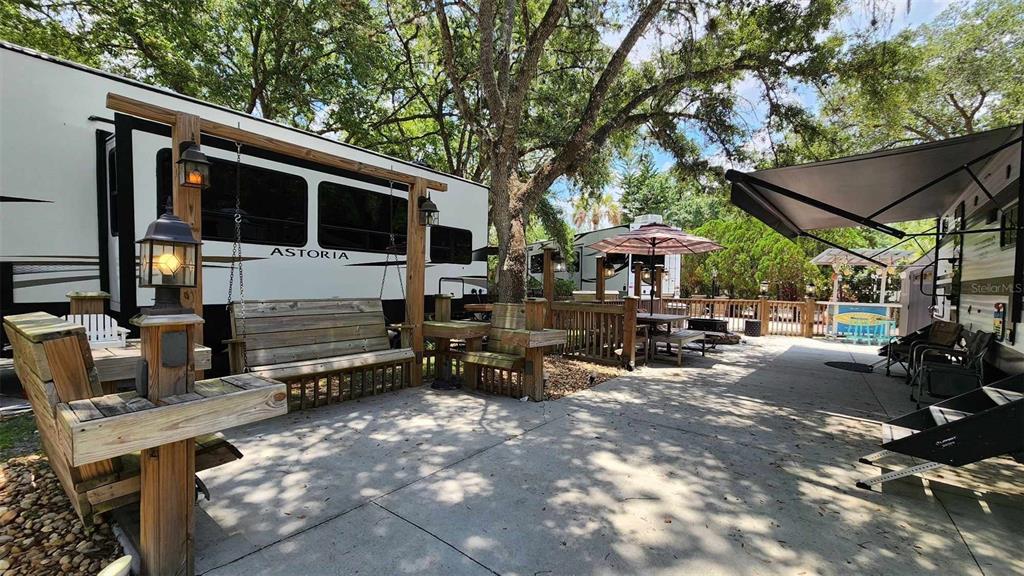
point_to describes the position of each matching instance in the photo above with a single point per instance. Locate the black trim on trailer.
(101, 208)
(170, 94)
(126, 216)
(100, 119)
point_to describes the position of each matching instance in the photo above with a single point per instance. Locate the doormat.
(852, 366)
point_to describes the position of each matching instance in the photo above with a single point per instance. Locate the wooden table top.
(460, 329)
(119, 363)
(645, 318)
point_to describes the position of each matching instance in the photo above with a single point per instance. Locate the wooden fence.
(596, 331)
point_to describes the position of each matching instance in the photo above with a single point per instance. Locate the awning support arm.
(818, 204)
(979, 182)
(760, 199)
(847, 250)
(935, 181)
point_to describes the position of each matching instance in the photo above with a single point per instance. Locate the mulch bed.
(39, 530)
(567, 376)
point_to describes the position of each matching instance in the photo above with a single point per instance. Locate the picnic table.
(654, 322)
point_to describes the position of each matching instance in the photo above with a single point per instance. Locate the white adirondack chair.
(101, 330)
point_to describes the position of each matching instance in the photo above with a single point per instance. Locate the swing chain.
(236, 255)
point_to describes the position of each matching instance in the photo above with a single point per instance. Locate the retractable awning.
(872, 190)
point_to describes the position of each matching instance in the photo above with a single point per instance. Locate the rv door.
(113, 258)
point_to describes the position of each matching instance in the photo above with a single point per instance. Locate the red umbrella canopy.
(657, 240)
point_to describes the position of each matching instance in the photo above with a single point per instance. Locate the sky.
(893, 17)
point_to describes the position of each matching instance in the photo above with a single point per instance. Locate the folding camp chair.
(899, 350)
(945, 373)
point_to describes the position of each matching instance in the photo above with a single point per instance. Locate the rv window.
(362, 220)
(1008, 232)
(537, 264)
(273, 204)
(450, 245)
(112, 190)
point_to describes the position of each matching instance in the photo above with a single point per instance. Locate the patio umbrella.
(655, 240)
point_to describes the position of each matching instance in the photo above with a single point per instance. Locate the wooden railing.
(596, 331)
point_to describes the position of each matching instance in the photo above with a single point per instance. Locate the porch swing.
(324, 350)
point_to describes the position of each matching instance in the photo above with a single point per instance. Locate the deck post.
(599, 278)
(763, 313)
(533, 372)
(442, 313)
(415, 268)
(188, 206)
(629, 331)
(167, 472)
(638, 278)
(549, 277)
(808, 317)
(88, 302)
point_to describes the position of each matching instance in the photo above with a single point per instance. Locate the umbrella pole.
(651, 291)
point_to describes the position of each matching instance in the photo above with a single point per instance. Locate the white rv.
(582, 270)
(79, 184)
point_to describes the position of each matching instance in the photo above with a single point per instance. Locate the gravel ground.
(39, 530)
(566, 376)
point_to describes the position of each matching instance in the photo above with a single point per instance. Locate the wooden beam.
(629, 331)
(599, 278)
(415, 268)
(147, 111)
(638, 278)
(187, 202)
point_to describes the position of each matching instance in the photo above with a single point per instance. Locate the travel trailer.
(582, 269)
(79, 184)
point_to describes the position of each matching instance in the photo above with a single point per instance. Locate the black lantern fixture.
(557, 261)
(428, 211)
(714, 282)
(609, 269)
(764, 288)
(167, 261)
(193, 167)
(810, 288)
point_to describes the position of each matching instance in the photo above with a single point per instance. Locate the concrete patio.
(742, 462)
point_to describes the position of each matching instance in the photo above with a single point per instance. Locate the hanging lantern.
(557, 261)
(646, 275)
(428, 211)
(763, 287)
(193, 167)
(167, 260)
(609, 269)
(810, 288)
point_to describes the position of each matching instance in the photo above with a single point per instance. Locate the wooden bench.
(325, 350)
(514, 354)
(683, 340)
(53, 362)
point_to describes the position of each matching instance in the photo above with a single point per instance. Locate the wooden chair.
(325, 350)
(54, 364)
(101, 330)
(513, 357)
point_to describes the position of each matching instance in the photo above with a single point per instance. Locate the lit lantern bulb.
(194, 177)
(168, 264)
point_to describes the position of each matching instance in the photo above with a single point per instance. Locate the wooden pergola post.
(188, 205)
(88, 302)
(638, 278)
(533, 371)
(629, 307)
(415, 268)
(600, 278)
(549, 279)
(167, 472)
